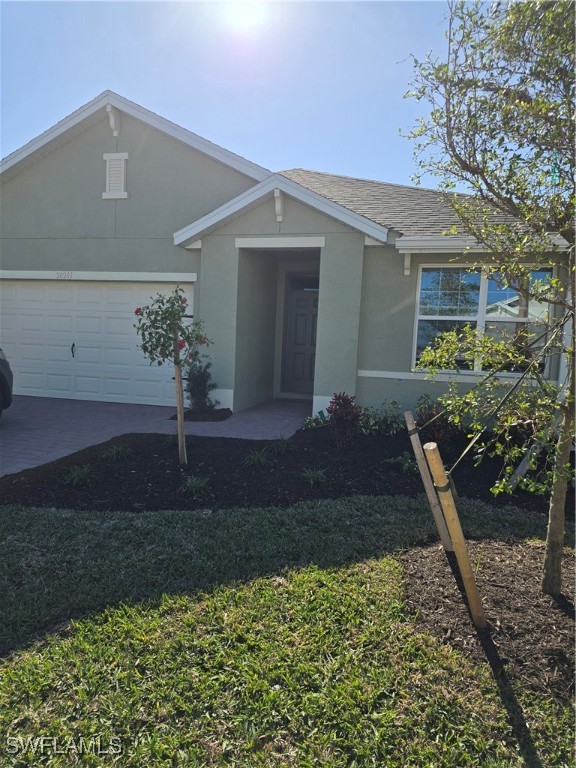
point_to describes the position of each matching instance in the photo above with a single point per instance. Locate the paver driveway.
(36, 430)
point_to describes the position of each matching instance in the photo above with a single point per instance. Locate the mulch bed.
(530, 635)
(150, 477)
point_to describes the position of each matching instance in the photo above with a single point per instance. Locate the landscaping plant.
(168, 338)
(344, 418)
(199, 385)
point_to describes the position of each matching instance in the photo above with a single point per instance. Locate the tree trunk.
(180, 416)
(552, 576)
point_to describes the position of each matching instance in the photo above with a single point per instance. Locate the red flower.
(138, 311)
(203, 340)
(181, 344)
(184, 301)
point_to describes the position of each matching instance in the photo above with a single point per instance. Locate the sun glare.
(245, 16)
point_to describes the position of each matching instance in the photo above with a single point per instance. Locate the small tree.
(501, 124)
(168, 338)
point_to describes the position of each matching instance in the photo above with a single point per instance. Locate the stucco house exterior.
(308, 283)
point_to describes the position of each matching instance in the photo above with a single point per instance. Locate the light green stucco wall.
(54, 217)
(255, 329)
(248, 359)
(341, 267)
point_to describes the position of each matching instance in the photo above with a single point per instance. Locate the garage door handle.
(72, 348)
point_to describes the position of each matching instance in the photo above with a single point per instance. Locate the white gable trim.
(266, 188)
(98, 109)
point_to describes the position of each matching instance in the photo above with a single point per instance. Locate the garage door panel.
(118, 356)
(98, 318)
(59, 382)
(89, 324)
(29, 323)
(32, 352)
(33, 383)
(30, 294)
(87, 385)
(85, 354)
(56, 353)
(60, 324)
(61, 295)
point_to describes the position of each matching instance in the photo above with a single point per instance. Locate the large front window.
(452, 297)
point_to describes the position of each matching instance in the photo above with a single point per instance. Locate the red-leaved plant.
(344, 418)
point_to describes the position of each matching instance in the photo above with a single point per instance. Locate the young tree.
(168, 338)
(501, 126)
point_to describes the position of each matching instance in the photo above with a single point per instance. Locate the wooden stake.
(428, 484)
(452, 521)
(179, 403)
(180, 416)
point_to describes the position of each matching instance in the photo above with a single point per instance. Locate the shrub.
(198, 386)
(344, 418)
(405, 462)
(319, 420)
(386, 420)
(439, 430)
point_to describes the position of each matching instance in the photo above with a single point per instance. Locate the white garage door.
(75, 339)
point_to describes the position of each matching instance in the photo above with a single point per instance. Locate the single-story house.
(308, 283)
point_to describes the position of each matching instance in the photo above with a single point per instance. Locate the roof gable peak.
(94, 111)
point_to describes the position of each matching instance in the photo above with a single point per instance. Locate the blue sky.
(316, 85)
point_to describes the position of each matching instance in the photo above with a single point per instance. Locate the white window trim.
(115, 194)
(479, 320)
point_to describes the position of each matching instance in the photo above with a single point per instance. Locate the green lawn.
(273, 637)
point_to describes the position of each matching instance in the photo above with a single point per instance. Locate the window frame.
(480, 320)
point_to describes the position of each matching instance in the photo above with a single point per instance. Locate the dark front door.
(300, 334)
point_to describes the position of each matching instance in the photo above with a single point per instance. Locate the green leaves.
(165, 330)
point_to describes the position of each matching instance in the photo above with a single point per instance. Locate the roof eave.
(254, 196)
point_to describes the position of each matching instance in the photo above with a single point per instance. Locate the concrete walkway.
(36, 430)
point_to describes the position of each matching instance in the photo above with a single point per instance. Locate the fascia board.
(254, 196)
(451, 244)
(443, 244)
(188, 138)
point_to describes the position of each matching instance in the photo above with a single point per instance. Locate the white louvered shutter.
(115, 175)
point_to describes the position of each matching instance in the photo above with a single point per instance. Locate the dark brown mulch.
(530, 635)
(150, 478)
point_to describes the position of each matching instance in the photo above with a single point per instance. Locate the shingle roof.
(412, 211)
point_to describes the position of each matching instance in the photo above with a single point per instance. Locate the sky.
(316, 85)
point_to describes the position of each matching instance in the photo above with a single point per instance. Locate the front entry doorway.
(300, 321)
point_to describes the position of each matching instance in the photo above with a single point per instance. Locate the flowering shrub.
(166, 335)
(344, 418)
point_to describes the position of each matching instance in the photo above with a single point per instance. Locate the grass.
(264, 637)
